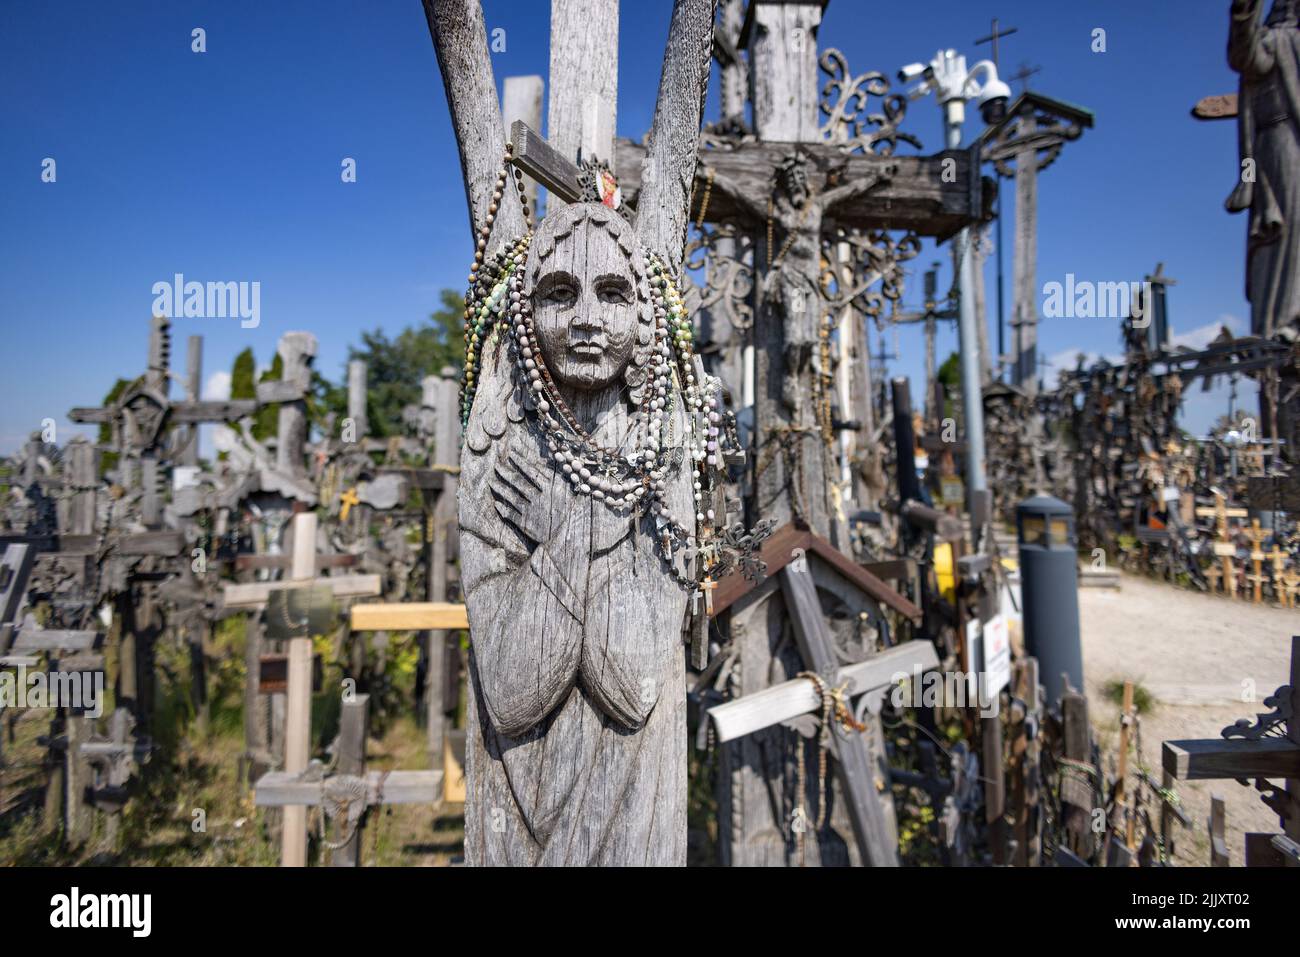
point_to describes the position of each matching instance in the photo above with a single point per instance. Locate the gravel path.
(1201, 657)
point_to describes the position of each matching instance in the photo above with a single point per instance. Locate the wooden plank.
(779, 549)
(44, 639)
(893, 570)
(534, 156)
(259, 562)
(354, 728)
(165, 544)
(297, 728)
(1209, 759)
(279, 788)
(409, 616)
(853, 764)
(216, 410)
(15, 569)
(762, 709)
(255, 594)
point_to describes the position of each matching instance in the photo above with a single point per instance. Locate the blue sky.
(225, 165)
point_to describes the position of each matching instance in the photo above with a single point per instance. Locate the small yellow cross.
(348, 498)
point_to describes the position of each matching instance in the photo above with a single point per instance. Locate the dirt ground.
(1206, 662)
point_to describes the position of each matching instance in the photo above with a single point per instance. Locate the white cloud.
(217, 387)
(1200, 337)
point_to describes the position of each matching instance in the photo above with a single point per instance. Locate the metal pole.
(972, 400)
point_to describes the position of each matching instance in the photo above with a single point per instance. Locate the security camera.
(911, 72)
(993, 99)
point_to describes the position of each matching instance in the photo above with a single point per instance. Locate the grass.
(1143, 700)
(189, 805)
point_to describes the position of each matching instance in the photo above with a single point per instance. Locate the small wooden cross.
(348, 498)
(1278, 557)
(1223, 547)
(707, 586)
(1256, 536)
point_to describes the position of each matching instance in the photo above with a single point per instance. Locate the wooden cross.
(1278, 558)
(351, 790)
(1224, 547)
(1270, 748)
(792, 698)
(1029, 138)
(996, 34)
(298, 693)
(1256, 536)
(1121, 815)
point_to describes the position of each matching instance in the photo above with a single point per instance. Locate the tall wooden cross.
(1029, 139)
(297, 736)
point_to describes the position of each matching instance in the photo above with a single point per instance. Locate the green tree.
(108, 460)
(395, 367)
(266, 422)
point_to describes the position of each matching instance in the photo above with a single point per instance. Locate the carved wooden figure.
(577, 514)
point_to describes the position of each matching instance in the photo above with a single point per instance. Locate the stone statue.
(1267, 55)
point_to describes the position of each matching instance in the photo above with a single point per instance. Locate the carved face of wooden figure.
(587, 296)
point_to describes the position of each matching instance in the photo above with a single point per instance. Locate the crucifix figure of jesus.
(790, 286)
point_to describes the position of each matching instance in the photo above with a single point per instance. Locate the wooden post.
(256, 717)
(1122, 818)
(876, 840)
(297, 349)
(1219, 853)
(357, 398)
(297, 735)
(521, 99)
(582, 108)
(441, 657)
(1076, 785)
(193, 389)
(354, 729)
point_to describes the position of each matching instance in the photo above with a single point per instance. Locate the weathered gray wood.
(255, 594)
(1076, 789)
(82, 477)
(877, 842)
(357, 398)
(792, 698)
(1219, 855)
(460, 41)
(1198, 760)
(534, 156)
(782, 43)
(53, 639)
(354, 728)
(575, 622)
(15, 570)
(668, 168)
(446, 438)
(918, 196)
(280, 789)
(521, 101)
(297, 349)
(583, 79)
